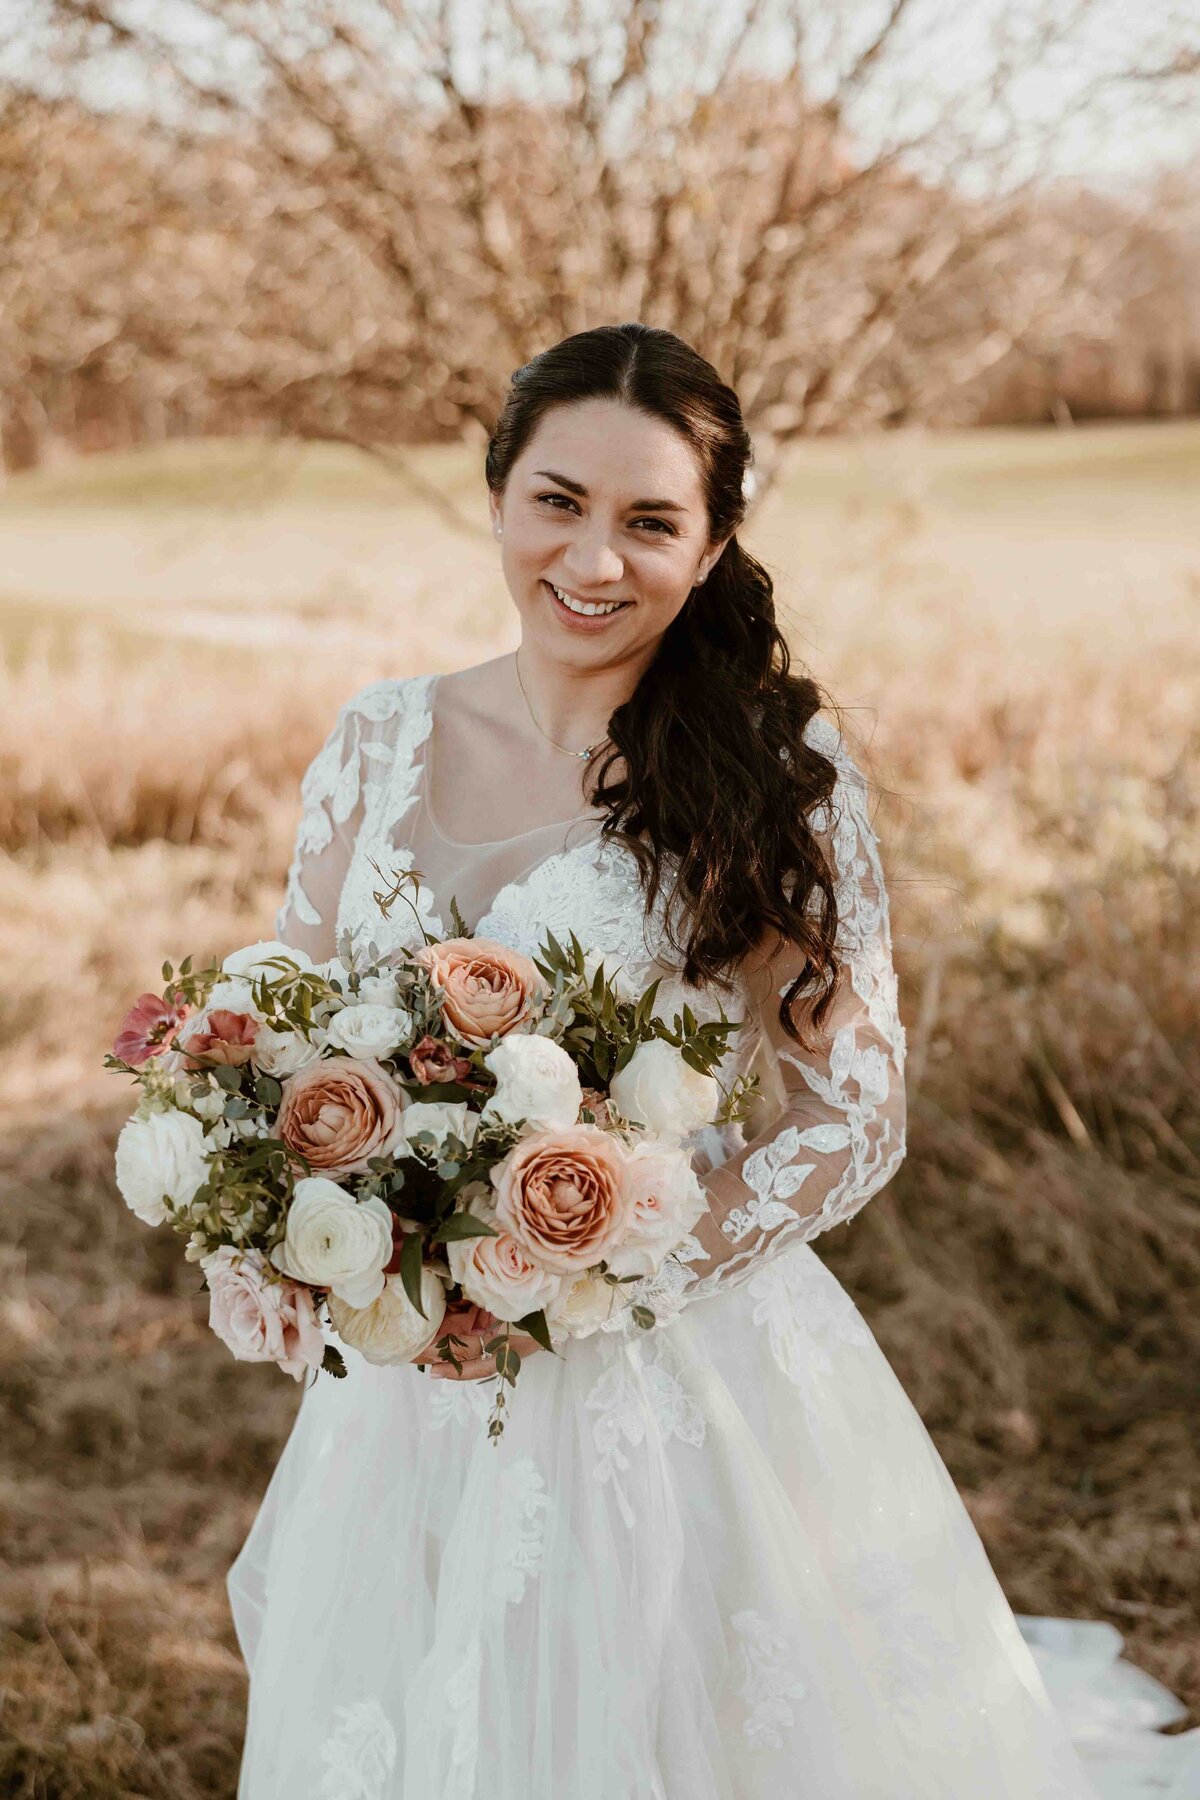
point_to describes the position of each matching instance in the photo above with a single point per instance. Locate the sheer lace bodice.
(830, 1131)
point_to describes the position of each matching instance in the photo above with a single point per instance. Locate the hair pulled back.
(718, 780)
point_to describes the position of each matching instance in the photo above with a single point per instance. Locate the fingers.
(477, 1370)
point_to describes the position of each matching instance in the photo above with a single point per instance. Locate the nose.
(590, 557)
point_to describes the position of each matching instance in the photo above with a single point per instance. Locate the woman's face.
(604, 508)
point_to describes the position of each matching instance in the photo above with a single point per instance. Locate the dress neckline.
(591, 816)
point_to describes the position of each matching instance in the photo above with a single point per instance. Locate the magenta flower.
(146, 1028)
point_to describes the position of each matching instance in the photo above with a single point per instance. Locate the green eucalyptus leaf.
(461, 1225)
(535, 1324)
(411, 1257)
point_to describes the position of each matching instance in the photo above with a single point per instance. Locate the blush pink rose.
(499, 1274)
(260, 1316)
(487, 989)
(340, 1112)
(563, 1196)
(220, 1037)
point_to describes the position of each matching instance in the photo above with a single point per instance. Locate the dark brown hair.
(718, 778)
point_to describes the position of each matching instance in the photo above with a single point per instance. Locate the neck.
(573, 706)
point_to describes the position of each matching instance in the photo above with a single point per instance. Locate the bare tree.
(343, 218)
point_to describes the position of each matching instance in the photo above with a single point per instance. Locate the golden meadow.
(1011, 621)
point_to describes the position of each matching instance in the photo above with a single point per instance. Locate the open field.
(1012, 623)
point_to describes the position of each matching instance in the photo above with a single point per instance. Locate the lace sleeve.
(333, 798)
(838, 1136)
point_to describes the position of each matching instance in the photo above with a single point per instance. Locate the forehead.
(615, 449)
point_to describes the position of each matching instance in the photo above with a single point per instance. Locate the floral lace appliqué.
(639, 1392)
(520, 1524)
(764, 1678)
(359, 1754)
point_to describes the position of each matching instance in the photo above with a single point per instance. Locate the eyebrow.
(577, 487)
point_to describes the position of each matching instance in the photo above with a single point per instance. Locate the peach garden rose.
(563, 1196)
(487, 989)
(340, 1112)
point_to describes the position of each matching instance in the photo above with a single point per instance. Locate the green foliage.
(412, 1255)
(536, 1325)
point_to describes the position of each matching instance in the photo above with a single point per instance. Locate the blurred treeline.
(329, 220)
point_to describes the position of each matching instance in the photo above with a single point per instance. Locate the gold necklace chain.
(580, 755)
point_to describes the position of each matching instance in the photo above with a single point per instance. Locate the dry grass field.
(1012, 621)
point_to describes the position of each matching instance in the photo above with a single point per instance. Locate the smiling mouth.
(587, 609)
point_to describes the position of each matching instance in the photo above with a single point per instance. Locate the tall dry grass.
(1033, 1273)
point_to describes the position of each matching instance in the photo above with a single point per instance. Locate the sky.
(938, 65)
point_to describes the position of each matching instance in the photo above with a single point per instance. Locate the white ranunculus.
(445, 1118)
(252, 960)
(369, 1030)
(160, 1158)
(656, 1088)
(334, 1241)
(536, 1081)
(582, 1307)
(378, 990)
(284, 1053)
(390, 1329)
(621, 981)
(667, 1200)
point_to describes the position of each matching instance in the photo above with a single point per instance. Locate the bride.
(718, 1559)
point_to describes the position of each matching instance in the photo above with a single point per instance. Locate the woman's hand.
(475, 1326)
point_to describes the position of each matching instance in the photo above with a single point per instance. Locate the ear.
(714, 552)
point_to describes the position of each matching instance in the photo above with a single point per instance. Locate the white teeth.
(578, 606)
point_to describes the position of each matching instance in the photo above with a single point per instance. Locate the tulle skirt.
(718, 1561)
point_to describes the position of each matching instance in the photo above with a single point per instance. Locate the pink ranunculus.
(260, 1316)
(147, 1028)
(434, 1060)
(340, 1112)
(563, 1196)
(487, 989)
(220, 1037)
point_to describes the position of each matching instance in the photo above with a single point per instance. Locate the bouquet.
(355, 1147)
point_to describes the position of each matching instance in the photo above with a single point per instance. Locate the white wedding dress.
(719, 1560)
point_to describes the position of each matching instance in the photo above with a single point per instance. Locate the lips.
(588, 621)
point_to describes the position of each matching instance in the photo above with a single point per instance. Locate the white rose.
(284, 1053)
(369, 1030)
(582, 1307)
(622, 982)
(391, 1330)
(536, 1081)
(656, 1088)
(667, 1201)
(160, 1158)
(378, 990)
(498, 1273)
(445, 1118)
(230, 996)
(335, 1242)
(252, 961)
